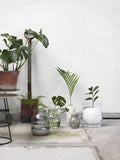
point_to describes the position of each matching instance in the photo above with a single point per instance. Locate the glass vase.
(74, 121)
(40, 123)
(54, 118)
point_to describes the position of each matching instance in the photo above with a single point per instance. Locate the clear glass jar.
(40, 123)
(74, 121)
(54, 118)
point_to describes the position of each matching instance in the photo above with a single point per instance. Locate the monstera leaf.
(59, 101)
(39, 36)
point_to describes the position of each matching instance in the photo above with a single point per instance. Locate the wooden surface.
(8, 95)
(9, 90)
(4, 94)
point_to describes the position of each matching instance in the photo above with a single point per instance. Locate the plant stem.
(53, 116)
(26, 42)
(17, 61)
(92, 100)
(13, 67)
(34, 46)
(70, 100)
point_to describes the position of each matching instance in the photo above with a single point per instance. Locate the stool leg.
(7, 106)
(7, 116)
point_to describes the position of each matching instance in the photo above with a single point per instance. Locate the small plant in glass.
(59, 103)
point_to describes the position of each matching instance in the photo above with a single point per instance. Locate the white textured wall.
(84, 38)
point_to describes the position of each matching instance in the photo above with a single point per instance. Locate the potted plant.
(71, 80)
(32, 106)
(59, 103)
(13, 57)
(92, 116)
(39, 37)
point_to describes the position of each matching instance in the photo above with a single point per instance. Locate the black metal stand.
(7, 123)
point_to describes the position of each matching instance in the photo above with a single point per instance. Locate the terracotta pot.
(27, 111)
(8, 80)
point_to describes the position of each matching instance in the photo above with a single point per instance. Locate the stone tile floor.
(64, 143)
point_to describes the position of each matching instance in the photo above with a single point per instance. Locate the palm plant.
(70, 79)
(93, 92)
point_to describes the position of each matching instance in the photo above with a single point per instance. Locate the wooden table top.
(4, 95)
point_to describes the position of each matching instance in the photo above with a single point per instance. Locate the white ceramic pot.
(92, 115)
(69, 113)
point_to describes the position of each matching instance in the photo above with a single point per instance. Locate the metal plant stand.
(4, 95)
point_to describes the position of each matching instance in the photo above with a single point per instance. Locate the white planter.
(92, 116)
(69, 113)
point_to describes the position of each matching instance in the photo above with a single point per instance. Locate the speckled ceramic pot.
(92, 115)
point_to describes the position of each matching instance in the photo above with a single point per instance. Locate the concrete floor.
(106, 139)
(64, 143)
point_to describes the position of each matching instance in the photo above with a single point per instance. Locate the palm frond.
(70, 79)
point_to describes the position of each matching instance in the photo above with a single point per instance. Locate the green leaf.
(59, 101)
(5, 35)
(14, 46)
(16, 41)
(6, 56)
(29, 33)
(91, 88)
(11, 38)
(24, 52)
(64, 110)
(71, 79)
(29, 102)
(89, 93)
(5, 41)
(96, 92)
(95, 98)
(96, 88)
(39, 36)
(88, 98)
(39, 97)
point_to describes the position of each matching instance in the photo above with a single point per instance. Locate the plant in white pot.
(71, 80)
(92, 116)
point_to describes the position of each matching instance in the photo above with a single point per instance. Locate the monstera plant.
(13, 57)
(15, 53)
(39, 37)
